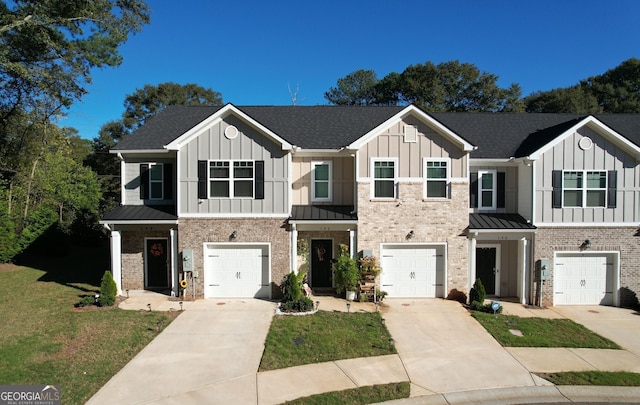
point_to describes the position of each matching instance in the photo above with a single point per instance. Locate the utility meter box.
(187, 260)
(545, 269)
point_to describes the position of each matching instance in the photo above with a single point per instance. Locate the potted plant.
(347, 275)
(369, 268)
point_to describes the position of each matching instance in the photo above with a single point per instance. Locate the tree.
(448, 86)
(48, 47)
(356, 88)
(615, 91)
(146, 102)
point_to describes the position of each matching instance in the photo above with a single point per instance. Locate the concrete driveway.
(444, 349)
(618, 324)
(208, 355)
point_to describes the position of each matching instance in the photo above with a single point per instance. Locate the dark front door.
(321, 255)
(157, 263)
(486, 268)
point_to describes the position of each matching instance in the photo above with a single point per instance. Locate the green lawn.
(363, 395)
(324, 336)
(541, 332)
(620, 378)
(44, 340)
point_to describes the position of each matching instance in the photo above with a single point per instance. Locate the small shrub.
(292, 286)
(108, 290)
(303, 304)
(86, 301)
(347, 275)
(477, 293)
(457, 295)
(476, 306)
(380, 294)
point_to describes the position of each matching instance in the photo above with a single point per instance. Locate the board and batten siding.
(132, 179)
(603, 155)
(343, 180)
(249, 144)
(429, 144)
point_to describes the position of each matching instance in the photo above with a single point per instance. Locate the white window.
(231, 179)
(584, 188)
(321, 187)
(410, 133)
(436, 178)
(384, 173)
(487, 189)
(155, 181)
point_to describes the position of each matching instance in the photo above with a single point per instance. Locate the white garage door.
(583, 279)
(237, 271)
(412, 271)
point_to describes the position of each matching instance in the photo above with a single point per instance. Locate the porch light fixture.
(233, 235)
(410, 235)
(585, 245)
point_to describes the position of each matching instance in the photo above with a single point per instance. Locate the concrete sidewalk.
(211, 352)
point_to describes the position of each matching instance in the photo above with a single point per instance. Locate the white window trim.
(494, 190)
(410, 133)
(329, 181)
(161, 181)
(584, 188)
(230, 179)
(425, 179)
(373, 177)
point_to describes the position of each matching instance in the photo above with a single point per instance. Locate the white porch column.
(523, 259)
(116, 259)
(352, 243)
(472, 259)
(294, 249)
(173, 240)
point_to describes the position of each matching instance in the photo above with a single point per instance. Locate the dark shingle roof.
(166, 126)
(497, 135)
(499, 221)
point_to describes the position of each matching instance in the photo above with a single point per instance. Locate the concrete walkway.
(211, 352)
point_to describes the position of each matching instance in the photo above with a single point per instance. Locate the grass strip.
(604, 378)
(324, 336)
(541, 332)
(356, 396)
(44, 340)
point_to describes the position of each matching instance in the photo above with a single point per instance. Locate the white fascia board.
(319, 153)
(218, 116)
(481, 231)
(597, 125)
(587, 225)
(138, 151)
(139, 222)
(229, 215)
(321, 222)
(411, 110)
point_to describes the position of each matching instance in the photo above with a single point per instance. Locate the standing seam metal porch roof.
(499, 222)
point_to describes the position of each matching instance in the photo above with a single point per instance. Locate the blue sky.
(253, 51)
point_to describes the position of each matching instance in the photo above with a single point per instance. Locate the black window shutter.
(259, 182)
(144, 181)
(167, 178)
(612, 184)
(556, 183)
(473, 190)
(202, 179)
(501, 186)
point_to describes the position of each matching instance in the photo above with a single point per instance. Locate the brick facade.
(619, 239)
(432, 220)
(194, 232)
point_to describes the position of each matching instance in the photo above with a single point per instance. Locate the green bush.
(86, 301)
(292, 286)
(477, 293)
(301, 305)
(347, 275)
(108, 290)
(476, 306)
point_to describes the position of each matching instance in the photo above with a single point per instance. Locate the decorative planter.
(351, 295)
